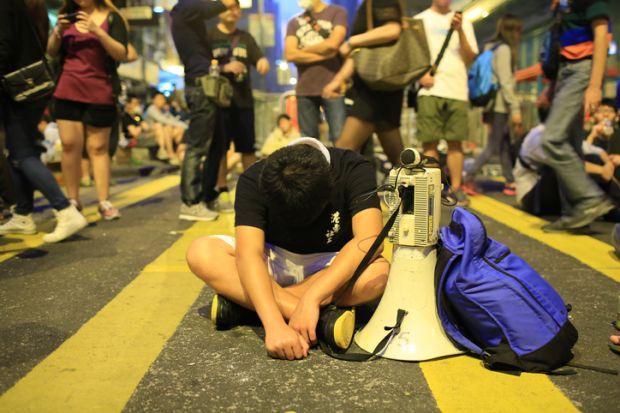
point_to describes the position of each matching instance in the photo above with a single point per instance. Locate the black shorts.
(236, 124)
(99, 116)
(383, 109)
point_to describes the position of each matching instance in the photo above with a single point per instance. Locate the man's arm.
(280, 340)
(367, 225)
(292, 53)
(330, 45)
(334, 88)
(593, 94)
(467, 52)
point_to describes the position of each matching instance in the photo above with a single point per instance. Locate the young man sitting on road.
(305, 217)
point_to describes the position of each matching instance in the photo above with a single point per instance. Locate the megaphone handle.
(374, 247)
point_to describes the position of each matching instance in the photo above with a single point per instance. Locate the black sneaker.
(336, 327)
(226, 314)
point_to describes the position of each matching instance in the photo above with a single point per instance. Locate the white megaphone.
(410, 291)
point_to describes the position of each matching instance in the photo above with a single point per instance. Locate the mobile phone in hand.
(72, 17)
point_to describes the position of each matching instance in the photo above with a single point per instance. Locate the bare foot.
(615, 340)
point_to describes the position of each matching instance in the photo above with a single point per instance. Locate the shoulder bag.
(394, 66)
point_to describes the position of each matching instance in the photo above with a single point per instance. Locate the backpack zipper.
(501, 257)
(522, 285)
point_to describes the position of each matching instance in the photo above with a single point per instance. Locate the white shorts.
(286, 267)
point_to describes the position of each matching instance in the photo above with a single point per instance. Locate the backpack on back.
(492, 303)
(482, 86)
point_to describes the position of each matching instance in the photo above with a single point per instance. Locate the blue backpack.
(482, 86)
(492, 303)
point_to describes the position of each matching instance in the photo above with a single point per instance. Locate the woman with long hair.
(505, 44)
(91, 38)
(23, 32)
(372, 111)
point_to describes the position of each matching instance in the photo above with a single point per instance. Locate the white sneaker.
(70, 221)
(197, 212)
(19, 224)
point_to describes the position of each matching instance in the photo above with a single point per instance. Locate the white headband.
(315, 143)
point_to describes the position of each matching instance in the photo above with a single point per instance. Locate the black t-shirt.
(383, 11)
(354, 178)
(130, 120)
(246, 51)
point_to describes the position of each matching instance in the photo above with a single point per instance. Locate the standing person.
(443, 100)
(505, 44)
(85, 97)
(236, 50)
(584, 39)
(312, 42)
(372, 110)
(19, 47)
(190, 37)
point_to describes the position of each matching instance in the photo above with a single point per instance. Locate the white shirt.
(451, 76)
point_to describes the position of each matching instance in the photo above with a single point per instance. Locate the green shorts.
(441, 118)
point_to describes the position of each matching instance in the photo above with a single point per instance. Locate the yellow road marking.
(590, 251)
(462, 384)
(18, 243)
(98, 368)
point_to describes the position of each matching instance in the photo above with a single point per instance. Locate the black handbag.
(31, 82)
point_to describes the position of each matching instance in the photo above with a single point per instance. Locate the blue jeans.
(564, 135)
(28, 173)
(309, 115)
(498, 142)
(195, 170)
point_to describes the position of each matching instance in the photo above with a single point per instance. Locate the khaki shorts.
(441, 118)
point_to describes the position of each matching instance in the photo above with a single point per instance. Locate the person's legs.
(355, 133)
(309, 115)
(455, 163)
(392, 144)
(336, 114)
(430, 124)
(213, 261)
(567, 113)
(494, 141)
(505, 157)
(456, 127)
(97, 146)
(72, 137)
(169, 140)
(199, 137)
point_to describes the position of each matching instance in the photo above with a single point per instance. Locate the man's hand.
(592, 100)
(305, 318)
(235, 67)
(427, 81)
(262, 66)
(285, 343)
(615, 159)
(333, 89)
(457, 21)
(345, 49)
(608, 171)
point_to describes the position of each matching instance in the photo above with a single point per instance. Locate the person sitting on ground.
(282, 135)
(135, 129)
(168, 129)
(305, 216)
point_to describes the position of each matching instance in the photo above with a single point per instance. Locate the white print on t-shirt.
(335, 227)
(240, 52)
(306, 34)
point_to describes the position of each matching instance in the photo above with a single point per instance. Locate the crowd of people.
(298, 205)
